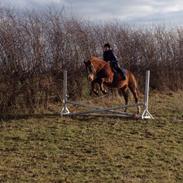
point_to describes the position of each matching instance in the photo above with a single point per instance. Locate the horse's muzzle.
(90, 77)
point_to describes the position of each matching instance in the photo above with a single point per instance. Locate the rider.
(108, 55)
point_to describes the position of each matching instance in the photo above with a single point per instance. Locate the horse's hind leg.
(134, 91)
(125, 93)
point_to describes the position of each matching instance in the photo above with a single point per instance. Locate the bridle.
(90, 68)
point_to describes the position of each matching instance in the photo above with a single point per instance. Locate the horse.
(100, 71)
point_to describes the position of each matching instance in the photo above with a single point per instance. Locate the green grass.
(52, 149)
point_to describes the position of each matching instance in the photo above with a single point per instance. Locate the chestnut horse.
(100, 72)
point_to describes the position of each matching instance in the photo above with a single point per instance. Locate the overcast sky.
(132, 11)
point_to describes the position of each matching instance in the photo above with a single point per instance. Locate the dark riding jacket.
(109, 56)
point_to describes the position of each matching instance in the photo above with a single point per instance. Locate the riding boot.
(115, 77)
(122, 74)
(121, 71)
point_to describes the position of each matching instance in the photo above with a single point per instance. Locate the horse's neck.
(99, 64)
(104, 67)
(100, 67)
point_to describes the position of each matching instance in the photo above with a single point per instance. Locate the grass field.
(47, 148)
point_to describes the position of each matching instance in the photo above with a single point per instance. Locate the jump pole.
(145, 115)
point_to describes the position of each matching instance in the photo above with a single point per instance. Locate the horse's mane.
(97, 59)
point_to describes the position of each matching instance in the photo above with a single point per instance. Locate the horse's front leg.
(93, 89)
(124, 91)
(101, 83)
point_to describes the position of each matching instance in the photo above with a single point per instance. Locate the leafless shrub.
(36, 48)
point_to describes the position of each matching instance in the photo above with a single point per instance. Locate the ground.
(48, 148)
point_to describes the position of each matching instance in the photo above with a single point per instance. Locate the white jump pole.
(146, 114)
(65, 110)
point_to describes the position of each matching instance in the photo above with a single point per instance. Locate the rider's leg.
(113, 65)
(115, 77)
(122, 73)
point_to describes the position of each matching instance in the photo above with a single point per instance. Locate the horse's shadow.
(14, 117)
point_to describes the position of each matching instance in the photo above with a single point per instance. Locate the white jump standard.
(65, 110)
(101, 111)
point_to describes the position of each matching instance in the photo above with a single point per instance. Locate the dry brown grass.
(42, 148)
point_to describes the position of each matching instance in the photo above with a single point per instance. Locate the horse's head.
(91, 71)
(93, 66)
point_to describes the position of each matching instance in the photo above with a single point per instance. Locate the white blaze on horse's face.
(91, 77)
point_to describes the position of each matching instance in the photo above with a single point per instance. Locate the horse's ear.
(87, 62)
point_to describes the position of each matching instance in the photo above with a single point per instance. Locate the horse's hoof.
(104, 92)
(96, 93)
(136, 116)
